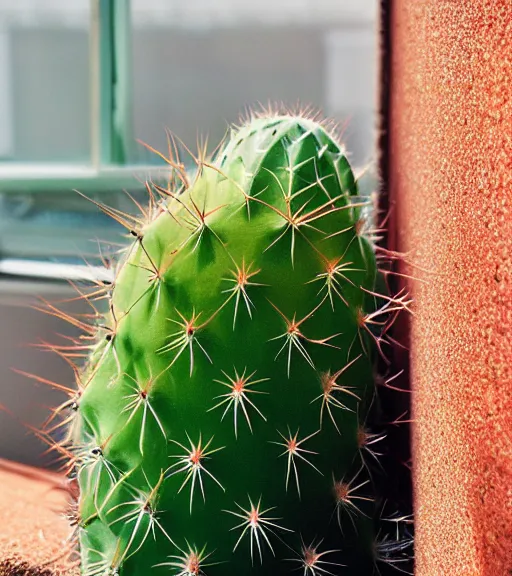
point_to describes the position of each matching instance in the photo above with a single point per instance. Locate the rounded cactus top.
(263, 141)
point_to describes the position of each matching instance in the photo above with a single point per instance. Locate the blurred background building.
(82, 80)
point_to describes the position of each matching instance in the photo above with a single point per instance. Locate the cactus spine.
(221, 425)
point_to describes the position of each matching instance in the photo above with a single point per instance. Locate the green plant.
(220, 426)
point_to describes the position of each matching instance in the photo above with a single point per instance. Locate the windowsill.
(54, 271)
(45, 177)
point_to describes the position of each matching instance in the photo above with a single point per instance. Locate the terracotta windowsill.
(33, 530)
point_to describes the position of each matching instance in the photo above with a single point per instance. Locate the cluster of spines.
(99, 339)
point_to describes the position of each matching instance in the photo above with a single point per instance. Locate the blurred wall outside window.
(198, 65)
(44, 81)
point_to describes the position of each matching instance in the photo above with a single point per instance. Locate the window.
(82, 81)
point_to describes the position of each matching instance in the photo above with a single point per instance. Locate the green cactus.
(220, 427)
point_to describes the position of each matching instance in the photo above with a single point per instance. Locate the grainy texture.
(451, 176)
(32, 533)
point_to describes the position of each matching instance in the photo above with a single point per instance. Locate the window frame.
(110, 115)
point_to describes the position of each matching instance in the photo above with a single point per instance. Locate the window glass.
(44, 80)
(198, 65)
(58, 226)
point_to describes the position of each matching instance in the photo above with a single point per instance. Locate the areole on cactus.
(220, 426)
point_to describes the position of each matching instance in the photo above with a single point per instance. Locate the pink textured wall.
(451, 180)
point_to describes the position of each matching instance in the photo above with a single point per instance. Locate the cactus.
(220, 425)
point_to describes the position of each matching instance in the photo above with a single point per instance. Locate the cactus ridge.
(220, 421)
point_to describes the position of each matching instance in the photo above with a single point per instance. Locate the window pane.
(54, 226)
(44, 80)
(199, 64)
